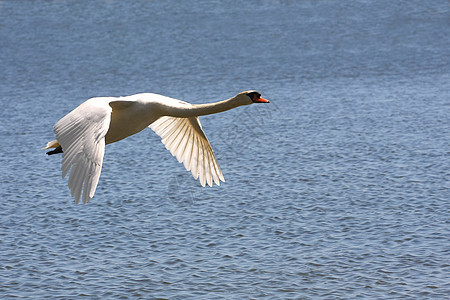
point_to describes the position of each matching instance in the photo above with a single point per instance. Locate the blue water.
(337, 189)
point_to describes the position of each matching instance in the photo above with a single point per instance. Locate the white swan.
(83, 133)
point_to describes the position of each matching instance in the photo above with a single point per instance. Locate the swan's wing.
(81, 135)
(185, 139)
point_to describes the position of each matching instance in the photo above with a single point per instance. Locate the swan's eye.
(254, 96)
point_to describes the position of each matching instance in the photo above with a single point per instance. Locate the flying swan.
(82, 134)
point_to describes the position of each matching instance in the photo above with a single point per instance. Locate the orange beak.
(262, 100)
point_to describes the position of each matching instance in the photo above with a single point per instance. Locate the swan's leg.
(56, 151)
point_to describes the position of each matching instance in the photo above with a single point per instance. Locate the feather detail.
(185, 139)
(81, 135)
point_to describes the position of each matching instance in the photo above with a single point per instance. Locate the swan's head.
(250, 97)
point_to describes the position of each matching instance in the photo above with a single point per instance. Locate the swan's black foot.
(55, 151)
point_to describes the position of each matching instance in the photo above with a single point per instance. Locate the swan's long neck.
(195, 110)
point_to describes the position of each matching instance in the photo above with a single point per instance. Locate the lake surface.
(337, 189)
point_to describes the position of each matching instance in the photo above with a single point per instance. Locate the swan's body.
(83, 133)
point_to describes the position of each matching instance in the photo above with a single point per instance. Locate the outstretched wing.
(81, 135)
(185, 139)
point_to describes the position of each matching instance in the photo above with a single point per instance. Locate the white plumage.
(83, 133)
(185, 139)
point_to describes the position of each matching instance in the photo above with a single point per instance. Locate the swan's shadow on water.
(246, 130)
(181, 191)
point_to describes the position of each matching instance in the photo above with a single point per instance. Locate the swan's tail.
(53, 144)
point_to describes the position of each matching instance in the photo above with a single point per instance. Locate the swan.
(82, 134)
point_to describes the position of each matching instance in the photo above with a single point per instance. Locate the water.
(337, 189)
